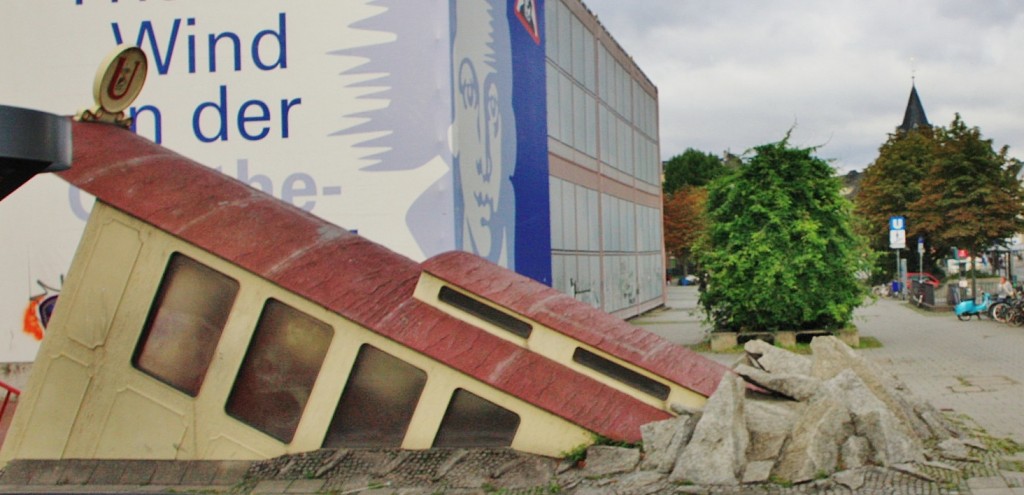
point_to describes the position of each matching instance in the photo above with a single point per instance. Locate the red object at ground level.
(923, 277)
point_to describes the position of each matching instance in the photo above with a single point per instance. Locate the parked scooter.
(966, 309)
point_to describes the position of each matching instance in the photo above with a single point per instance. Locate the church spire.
(914, 116)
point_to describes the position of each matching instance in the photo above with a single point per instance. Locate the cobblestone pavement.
(966, 369)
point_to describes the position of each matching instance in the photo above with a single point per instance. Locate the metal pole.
(899, 279)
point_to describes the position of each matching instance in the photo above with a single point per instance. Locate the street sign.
(920, 244)
(897, 239)
(897, 232)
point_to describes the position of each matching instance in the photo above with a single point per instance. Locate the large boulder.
(795, 386)
(716, 455)
(769, 422)
(891, 440)
(813, 447)
(664, 441)
(776, 360)
(605, 460)
(832, 357)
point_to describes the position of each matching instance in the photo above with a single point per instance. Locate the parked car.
(923, 277)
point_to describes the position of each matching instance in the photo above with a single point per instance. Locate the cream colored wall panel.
(139, 426)
(63, 386)
(102, 284)
(430, 410)
(227, 447)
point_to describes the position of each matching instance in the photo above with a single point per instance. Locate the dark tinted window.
(184, 324)
(378, 402)
(485, 312)
(279, 370)
(620, 373)
(472, 421)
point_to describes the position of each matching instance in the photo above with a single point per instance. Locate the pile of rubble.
(788, 418)
(781, 423)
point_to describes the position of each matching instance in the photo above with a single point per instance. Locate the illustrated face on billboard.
(484, 138)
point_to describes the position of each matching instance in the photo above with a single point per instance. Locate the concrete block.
(723, 341)
(137, 473)
(168, 472)
(107, 473)
(77, 472)
(785, 338)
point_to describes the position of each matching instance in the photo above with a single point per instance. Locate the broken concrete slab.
(716, 455)
(795, 386)
(832, 356)
(892, 442)
(769, 422)
(664, 441)
(606, 460)
(851, 478)
(776, 360)
(813, 446)
(855, 452)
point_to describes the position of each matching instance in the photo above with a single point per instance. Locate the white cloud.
(734, 74)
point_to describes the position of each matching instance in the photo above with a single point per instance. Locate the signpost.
(920, 253)
(897, 241)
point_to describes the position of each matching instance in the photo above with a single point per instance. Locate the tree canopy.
(954, 189)
(890, 185)
(779, 248)
(971, 196)
(684, 220)
(691, 168)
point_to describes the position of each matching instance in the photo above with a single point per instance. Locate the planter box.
(725, 341)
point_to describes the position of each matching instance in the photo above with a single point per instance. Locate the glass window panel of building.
(565, 104)
(554, 115)
(582, 220)
(557, 234)
(550, 26)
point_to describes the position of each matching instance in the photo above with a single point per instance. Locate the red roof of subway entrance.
(373, 286)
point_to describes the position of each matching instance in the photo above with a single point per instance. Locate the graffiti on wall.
(39, 310)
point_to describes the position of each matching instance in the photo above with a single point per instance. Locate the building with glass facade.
(604, 165)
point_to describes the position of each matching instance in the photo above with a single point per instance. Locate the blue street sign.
(897, 223)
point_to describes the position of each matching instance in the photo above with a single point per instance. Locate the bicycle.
(917, 296)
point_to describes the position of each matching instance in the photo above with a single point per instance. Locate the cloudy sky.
(733, 74)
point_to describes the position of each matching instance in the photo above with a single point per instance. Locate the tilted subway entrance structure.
(203, 319)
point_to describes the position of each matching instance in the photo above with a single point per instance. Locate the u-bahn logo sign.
(897, 232)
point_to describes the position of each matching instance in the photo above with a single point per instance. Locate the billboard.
(419, 125)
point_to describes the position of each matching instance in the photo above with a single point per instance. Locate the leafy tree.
(889, 186)
(970, 196)
(779, 247)
(684, 221)
(692, 168)
(952, 186)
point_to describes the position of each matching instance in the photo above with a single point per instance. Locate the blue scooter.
(966, 309)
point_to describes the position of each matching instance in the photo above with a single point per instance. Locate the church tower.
(914, 116)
